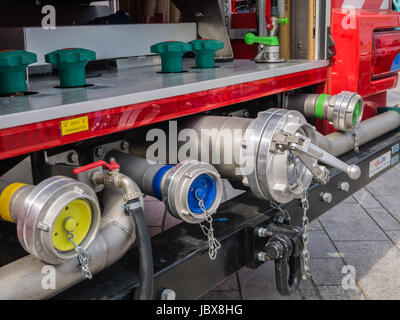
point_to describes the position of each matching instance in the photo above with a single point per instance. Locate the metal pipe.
(175, 185)
(138, 169)
(29, 278)
(311, 40)
(344, 110)
(338, 143)
(242, 150)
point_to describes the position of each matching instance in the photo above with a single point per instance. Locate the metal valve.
(305, 146)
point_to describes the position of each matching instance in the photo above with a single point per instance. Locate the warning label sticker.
(74, 125)
(377, 165)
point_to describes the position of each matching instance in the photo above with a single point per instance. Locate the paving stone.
(326, 271)
(393, 98)
(386, 184)
(230, 192)
(259, 284)
(22, 172)
(377, 267)
(154, 231)
(230, 284)
(308, 291)
(395, 237)
(320, 246)
(391, 203)
(384, 219)
(315, 226)
(350, 222)
(338, 293)
(221, 295)
(154, 211)
(349, 200)
(366, 199)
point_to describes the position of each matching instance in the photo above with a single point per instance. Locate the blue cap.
(204, 188)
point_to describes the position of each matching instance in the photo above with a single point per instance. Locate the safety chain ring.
(82, 254)
(213, 244)
(305, 253)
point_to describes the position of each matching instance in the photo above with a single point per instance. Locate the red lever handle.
(268, 19)
(110, 166)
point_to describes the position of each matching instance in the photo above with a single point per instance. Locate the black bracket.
(284, 246)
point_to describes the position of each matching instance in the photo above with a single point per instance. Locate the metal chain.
(284, 212)
(83, 256)
(356, 141)
(305, 253)
(213, 243)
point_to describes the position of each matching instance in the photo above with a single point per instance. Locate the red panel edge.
(47, 134)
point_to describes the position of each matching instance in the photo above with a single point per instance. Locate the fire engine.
(105, 104)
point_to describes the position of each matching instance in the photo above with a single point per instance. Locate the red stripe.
(372, 4)
(337, 3)
(368, 4)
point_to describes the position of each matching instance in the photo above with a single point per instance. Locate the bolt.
(99, 151)
(125, 145)
(168, 294)
(326, 197)
(261, 256)
(72, 157)
(344, 186)
(263, 232)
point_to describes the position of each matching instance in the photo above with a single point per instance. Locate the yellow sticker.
(74, 125)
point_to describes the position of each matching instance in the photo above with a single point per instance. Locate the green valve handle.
(13, 64)
(71, 63)
(283, 21)
(250, 39)
(171, 53)
(204, 51)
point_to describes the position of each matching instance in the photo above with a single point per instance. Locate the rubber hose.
(143, 241)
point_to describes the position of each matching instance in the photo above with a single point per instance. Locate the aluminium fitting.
(45, 213)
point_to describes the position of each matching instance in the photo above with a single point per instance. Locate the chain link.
(83, 256)
(284, 212)
(213, 243)
(356, 141)
(305, 253)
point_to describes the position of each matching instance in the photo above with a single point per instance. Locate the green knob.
(171, 53)
(13, 65)
(283, 21)
(204, 51)
(250, 39)
(71, 63)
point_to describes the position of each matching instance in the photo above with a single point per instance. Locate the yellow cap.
(76, 217)
(5, 199)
